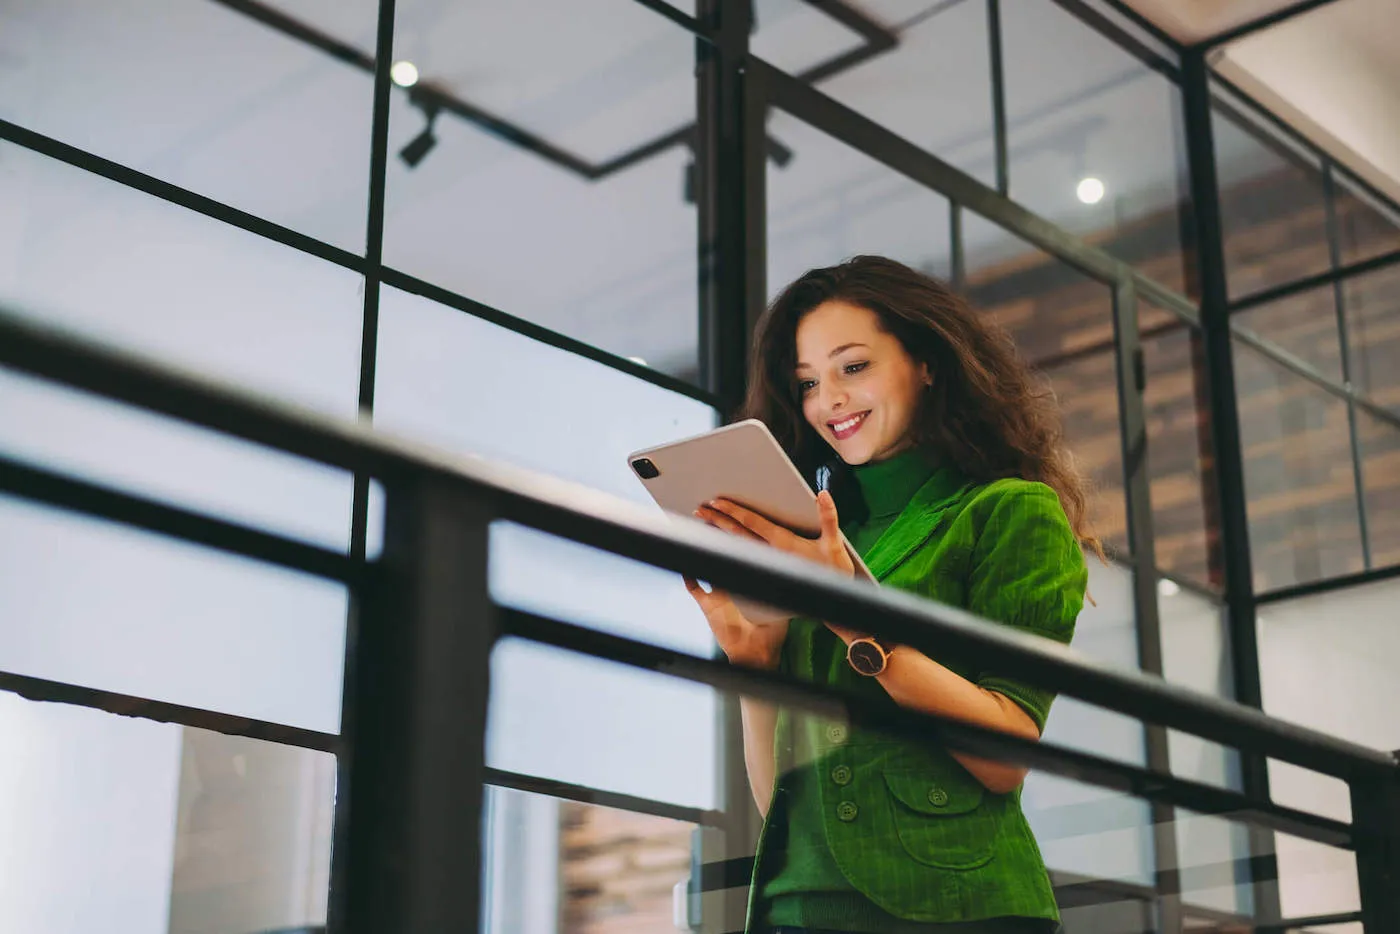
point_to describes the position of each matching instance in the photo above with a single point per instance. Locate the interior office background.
(187, 178)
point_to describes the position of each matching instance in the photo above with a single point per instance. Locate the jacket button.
(841, 775)
(836, 733)
(847, 811)
(938, 797)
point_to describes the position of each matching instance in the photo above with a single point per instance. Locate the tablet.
(742, 462)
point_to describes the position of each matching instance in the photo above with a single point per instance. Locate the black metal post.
(730, 174)
(1227, 452)
(1132, 380)
(417, 749)
(1003, 179)
(1375, 813)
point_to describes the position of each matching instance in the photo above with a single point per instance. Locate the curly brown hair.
(986, 412)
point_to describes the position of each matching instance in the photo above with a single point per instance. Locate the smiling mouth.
(847, 426)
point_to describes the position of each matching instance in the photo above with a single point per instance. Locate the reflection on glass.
(553, 865)
(1303, 324)
(1062, 322)
(519, 176)
(834, 202)
(1303, 523)
(1366, 227)
(797, 36)
(1080, 109)
(1379, 443)
(252, 111)
(1372, 306)
(933, 85)
(157, 827)
(1273, 211)
(1178, 453)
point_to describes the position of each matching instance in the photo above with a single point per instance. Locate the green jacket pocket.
(943, 825)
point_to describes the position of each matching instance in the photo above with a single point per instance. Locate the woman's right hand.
(745, 643)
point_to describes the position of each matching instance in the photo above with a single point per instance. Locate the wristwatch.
(868, 655)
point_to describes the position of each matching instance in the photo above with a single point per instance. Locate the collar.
(919, 521)
(889, 485)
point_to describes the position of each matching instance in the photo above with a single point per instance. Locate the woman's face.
(859, 386)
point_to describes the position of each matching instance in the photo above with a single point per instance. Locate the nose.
(832, 398)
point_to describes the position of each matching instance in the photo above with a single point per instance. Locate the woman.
(966, 496)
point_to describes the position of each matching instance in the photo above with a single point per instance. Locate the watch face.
(866, 657)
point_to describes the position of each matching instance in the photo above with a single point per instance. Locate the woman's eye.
(805, 386)
(853, 368)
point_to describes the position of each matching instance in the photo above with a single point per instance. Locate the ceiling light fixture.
(423, 143)
(1168, 588)
(1090, 190)
(404, 74)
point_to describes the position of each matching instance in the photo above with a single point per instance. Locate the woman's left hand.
(829, 549)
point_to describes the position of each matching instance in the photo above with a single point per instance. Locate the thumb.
(830, 521)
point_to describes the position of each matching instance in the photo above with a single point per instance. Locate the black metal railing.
(414, 715)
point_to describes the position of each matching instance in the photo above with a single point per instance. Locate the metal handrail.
(600, 520)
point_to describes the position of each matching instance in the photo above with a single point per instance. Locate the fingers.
(747, 518)
(726, 523)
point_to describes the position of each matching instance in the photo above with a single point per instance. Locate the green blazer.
(908, 826)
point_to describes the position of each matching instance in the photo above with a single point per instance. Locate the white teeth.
(848, 423)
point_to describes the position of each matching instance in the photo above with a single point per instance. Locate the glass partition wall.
(546, 246)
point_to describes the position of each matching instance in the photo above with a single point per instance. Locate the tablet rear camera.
(645, 469)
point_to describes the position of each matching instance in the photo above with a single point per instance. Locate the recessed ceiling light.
(1090, 190)
(404, 74)
(1167, 588)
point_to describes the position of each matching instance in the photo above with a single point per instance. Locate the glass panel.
(119, 823)
(552, 219)
(193, 292)
(1379, 443)
(1303, 523)
(167, 282)
(1084, 830)
(1196, 655)
(1062, 321)
(255, 111)
(108, 607)
(1272, 207)
(555, 865)
(440, 375)
(907, 87)
(836, 202)
(1304, 325)
(1178, 453)
(1365, 226)
(1348, 639)
(253, 836)
(1094, 137)
(1372, 306)
(1214, 858)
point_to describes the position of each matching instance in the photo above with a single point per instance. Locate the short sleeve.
(1028, 572)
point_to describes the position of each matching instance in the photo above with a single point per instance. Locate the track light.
(423, 143)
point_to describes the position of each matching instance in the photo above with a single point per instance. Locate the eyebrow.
(838, 350)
